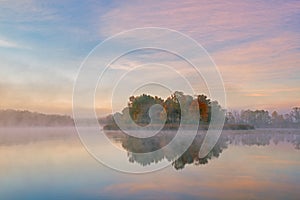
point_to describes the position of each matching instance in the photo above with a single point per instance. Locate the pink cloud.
(219, 20)
(247, 39)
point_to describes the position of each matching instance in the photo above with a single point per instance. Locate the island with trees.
(197, 109)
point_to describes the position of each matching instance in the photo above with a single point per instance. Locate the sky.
(254, 44)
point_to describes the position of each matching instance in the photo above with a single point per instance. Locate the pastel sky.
(255, 44)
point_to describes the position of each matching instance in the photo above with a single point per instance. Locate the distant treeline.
(263, 119)
(9, 118)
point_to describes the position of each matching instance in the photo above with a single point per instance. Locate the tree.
(278, 121)
(230, 119)
(139, 108)
(203, 104)
(172, 108)
(258, 118)
(295, 113)
(216, 111)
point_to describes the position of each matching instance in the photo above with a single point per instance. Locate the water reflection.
(135, 146)
(51, 163)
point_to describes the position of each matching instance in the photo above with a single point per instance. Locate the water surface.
(51, 163)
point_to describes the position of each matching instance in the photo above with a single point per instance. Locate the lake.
(52, 163)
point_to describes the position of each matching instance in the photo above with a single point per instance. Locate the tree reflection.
(137, 147)
(191, 155)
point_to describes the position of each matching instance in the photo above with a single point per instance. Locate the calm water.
(51, 163)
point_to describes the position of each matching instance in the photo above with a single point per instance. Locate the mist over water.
(51, 163)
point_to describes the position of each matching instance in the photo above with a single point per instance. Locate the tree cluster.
(194, 109)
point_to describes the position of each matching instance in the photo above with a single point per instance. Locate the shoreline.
(187, 127)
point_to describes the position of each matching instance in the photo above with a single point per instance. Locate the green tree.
(139, 108)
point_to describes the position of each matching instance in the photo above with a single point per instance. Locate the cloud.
(254, 44)
(217, 20)
(234, 32)
(242, 36)
(256, 95)
(8, 44)
(26, 83)
(26, 11)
